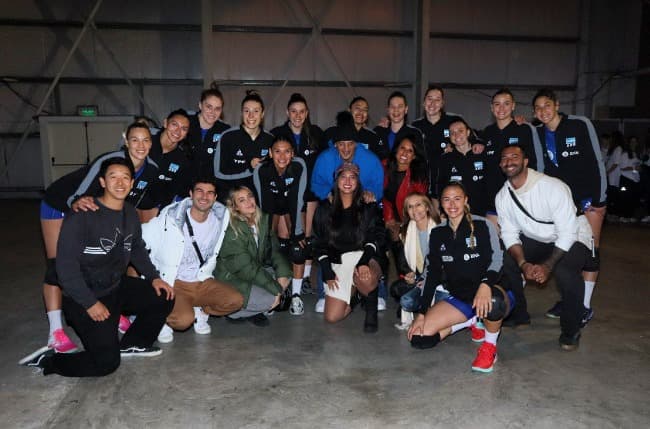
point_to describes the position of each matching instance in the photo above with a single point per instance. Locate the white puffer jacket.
(164, 238)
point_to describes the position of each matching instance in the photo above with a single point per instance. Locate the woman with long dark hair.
(308, 142)
(349, 243)
(405, 172)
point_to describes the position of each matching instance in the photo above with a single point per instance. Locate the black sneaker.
(141, 351)
(554, 312)
(586, 317)
(259, 320)
(570, 342)
(307, 288)
(38, 360)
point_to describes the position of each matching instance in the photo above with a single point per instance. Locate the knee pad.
(499, 305)
(285, 245)
(425, 341)
(297, 254)
(51, 278)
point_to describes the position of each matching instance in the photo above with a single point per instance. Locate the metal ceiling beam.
(504, 38)
(217, 28)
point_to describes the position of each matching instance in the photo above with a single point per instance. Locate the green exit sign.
(88, 110)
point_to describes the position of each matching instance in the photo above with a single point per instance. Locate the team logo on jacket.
(308, 152)
(443, 248)
(445, 132)
(471, 242)
(443, 145)
(570, 142)
(174, 167)
(453, 170)
(456, 178)
(264, 152)
(447, 258)
(288, 180)
(141, 184)
(478, 165)
(565, 154)
(239, 152)
(513, 140)
(210, 150)
(216, 138)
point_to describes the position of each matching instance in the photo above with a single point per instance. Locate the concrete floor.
(300, 372)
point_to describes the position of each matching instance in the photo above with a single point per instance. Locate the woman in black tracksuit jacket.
(241, 149)
(464, 250)
(206, 129)
(280, 183)
(462, 165)
(308, 142)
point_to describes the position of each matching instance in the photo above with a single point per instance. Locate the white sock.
(589, 290)
(54, 318)
(458, 326)
(491, 337)
(296, 285)
(307, 271)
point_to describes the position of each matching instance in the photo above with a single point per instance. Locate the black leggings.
(101, 355)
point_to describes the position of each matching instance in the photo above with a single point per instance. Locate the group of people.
(205, 219)
(628, 176)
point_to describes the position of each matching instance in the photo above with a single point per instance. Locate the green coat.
(242, 263)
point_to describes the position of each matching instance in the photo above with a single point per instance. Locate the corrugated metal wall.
(473, 47)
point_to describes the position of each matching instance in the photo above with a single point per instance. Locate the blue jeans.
(410, 301)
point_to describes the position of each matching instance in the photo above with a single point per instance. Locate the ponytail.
(468, 216)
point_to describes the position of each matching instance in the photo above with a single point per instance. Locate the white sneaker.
(406, 319)
(645, 219)
(320, 305)
(201, 325)
(381, 304)
(166, 334)
(297, 307)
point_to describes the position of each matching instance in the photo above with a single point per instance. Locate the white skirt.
(344, 272)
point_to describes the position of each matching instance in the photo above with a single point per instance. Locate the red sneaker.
(478, 332)
(485, 358)
(61, 343)
(124, 324)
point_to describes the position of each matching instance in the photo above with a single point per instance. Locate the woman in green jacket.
(250, 259)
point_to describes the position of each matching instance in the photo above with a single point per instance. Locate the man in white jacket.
(542, 234)
(184, 241)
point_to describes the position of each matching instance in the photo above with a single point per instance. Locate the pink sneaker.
(124, 324)
(60, 342)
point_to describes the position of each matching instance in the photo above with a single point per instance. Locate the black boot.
(370, 325)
